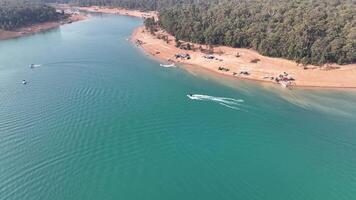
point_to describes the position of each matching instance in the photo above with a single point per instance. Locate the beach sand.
(119, 11)
(36, 28)
(327, 76)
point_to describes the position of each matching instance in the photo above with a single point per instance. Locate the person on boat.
(24, 82)
(32, 66)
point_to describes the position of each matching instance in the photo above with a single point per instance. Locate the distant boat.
(168, 66)
(33, 66)
(24, 82)
(191, 96)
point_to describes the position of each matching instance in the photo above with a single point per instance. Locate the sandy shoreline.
(236, 60)
(119, 11)
(37, 28)
(342, 76)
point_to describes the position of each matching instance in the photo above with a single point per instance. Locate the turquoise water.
(100, 120)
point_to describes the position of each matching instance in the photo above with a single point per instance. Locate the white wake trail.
(224, 101)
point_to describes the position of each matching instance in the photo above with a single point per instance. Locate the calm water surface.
(100, 120)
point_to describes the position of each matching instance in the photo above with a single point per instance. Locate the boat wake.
(227, 102)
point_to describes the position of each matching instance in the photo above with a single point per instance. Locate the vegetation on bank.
(16, 14)
(310, 32)
(130, 4)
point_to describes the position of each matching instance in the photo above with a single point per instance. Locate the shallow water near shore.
(100, 120)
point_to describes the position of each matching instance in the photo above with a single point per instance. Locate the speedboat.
(191, 96)
(171, 65)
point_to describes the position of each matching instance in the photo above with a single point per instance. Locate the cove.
(99, 119)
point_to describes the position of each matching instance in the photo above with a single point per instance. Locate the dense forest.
(15, 14)
(310, 32)
(130, 4)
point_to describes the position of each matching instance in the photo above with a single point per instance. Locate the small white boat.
(34, 65)
(24, 82)
(168, 66)
(191, 96)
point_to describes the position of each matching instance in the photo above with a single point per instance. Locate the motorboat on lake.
(168, 66)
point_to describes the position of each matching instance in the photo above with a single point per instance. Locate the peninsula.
(310, 56)
(18, 19)
(242, 63)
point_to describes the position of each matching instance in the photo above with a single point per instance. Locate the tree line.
(310, 32)
(130, 4)
(15, 14)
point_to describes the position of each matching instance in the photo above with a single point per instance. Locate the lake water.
(98, 119)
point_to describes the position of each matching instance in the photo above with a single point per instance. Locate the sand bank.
(119, 11)
(36, 28)
(239, 59)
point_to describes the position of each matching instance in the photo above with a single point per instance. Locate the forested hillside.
(310, 32)
(131, 4)
(314, 32)
(15, 14)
